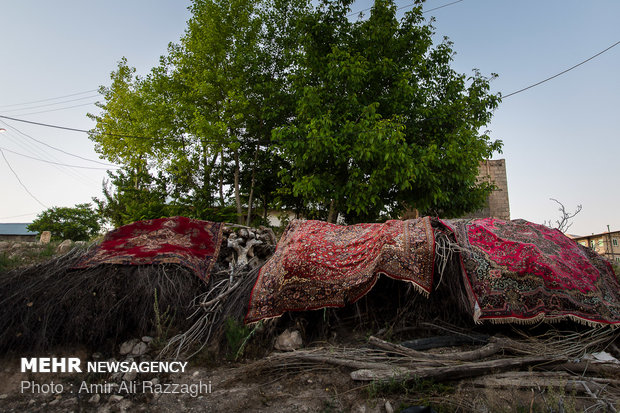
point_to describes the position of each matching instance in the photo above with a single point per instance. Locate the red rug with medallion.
(518, 271)
(318, 265)
(189, 242)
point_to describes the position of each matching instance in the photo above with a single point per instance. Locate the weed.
(558, 401)
(163, 322)
(6, 262)
(237, 334)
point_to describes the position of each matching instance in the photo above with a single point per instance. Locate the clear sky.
(561, 139)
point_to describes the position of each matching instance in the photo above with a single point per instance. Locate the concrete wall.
(498, 205)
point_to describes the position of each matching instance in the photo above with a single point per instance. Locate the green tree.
(79, 223)
(278, 103)
(382, 120)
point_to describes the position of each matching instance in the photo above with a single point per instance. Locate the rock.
(115, 398)
(128, 346)
(130, 375)
(388, 407)
(97, 356)
(289, 341)
(139, 349)
(124, 405)
(94, 399)
(64, 247)
(103, 409)
(45, 238)
(363, 408)
(80, 244)
(54, 402)
(154, 381)
(3, 396)
(147, 339)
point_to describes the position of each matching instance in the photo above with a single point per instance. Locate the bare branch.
(564, 223)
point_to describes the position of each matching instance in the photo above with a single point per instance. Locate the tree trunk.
(333, 212)
(222, 201)
(236, 189)
(251, 197)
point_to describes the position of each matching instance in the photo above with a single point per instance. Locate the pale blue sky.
(561, 138)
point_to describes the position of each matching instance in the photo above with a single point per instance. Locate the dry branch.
(527, 379)
(455, 372)
(495, 346)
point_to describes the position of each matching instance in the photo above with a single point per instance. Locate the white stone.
(139, 349)
(128, 345)
(289, 341)
(46, 237)
(94, 399)
(130, 375)
(64, 247)
(115, 398)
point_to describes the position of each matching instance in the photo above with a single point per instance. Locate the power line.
(55, 110)
(561, 73)
(51, 104)
(165, 139)
(19, 180)
(18, 216)
(33, 149)
(114, 135)
(47, 100)
(407, 5)
(46, 124)
(57, 149)
(436, 8)
(55, 163)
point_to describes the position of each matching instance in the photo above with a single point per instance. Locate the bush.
(79, 223)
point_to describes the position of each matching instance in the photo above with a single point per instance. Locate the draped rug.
(318, 265)
(189, 242)
(522, 272)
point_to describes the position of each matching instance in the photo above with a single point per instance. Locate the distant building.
(497, 204)
(606, 244)
(17, 232)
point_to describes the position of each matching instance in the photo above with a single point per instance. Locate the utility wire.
(51, 104)
(54, 110)
(56, 163)
(436, 8)
(561, 73)
(18, 216)
(33, 149)
(165, 139)
(47, 100)
(114, 135)
(55, 148)
(407, 5)
(19, 180)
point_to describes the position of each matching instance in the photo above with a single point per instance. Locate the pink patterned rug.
(520, 272)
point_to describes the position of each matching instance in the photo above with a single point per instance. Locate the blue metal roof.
(16, 229)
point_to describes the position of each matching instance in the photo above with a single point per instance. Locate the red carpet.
(523, 272)
(319, 265)
(189, 242)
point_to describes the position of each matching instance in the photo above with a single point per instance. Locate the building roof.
(613, 233)
(16, 229)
